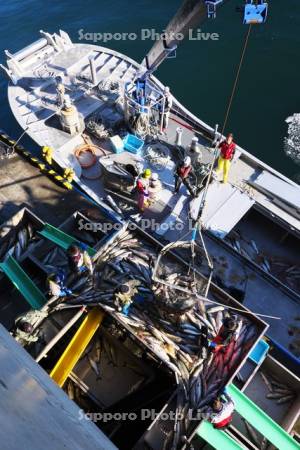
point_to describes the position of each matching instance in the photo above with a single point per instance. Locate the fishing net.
(109, 87)
(158, 156)
(194, 256)
(97, 129)
(143, 125)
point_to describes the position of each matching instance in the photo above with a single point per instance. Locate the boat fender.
(69, 174)
(47, 153)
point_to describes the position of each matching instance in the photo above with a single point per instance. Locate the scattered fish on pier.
(94, 366)
(266, 381)
(264, 444)
(286, 399)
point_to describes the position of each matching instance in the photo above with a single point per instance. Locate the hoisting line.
(225, 121)
(236, 78)
(197, 226)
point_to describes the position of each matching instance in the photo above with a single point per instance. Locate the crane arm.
(190, 14)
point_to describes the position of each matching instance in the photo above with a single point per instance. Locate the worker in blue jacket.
(56, 286)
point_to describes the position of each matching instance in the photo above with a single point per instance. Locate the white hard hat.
(187, 161)
(154, 177)
(167, 89)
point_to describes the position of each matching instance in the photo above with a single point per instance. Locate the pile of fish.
(17, 241)
(168, 322)
(54, 259)
(294, 331)
(218, 367)
(283, 270)
(278, 391)
(287, 273)
(248, 249)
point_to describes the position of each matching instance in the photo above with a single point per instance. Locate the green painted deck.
(23, 283)
(61, 239)
(261, 421)
(217, 438)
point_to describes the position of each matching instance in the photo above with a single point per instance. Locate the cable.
(225, 119)
(197, 226)
(203, 201)
(193, 294)
(236, 78)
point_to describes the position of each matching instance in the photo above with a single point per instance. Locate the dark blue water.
(202, 75)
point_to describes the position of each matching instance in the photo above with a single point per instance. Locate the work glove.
(62, 275)
(212, 345)
(125, 309)
(83, 246)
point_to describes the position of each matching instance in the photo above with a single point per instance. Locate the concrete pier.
(22, 184)
(35, 413)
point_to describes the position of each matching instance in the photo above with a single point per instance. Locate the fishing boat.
(81, 104)
(79, 101)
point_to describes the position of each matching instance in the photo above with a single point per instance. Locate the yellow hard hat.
(147, 173)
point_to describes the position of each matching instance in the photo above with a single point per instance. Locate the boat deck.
(251, 182)
(33, 102)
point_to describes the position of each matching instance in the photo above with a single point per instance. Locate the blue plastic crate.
(133, 144)
(259, 352)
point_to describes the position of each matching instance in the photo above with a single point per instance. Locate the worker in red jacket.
(182, 173)
(220, 415)
(229, 331)
(227, 150)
